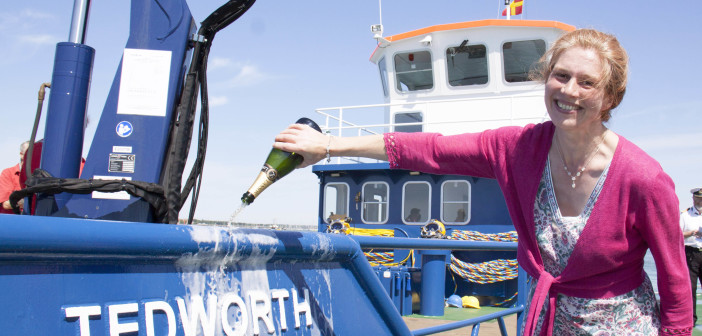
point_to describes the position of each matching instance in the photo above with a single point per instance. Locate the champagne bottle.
(278, 164)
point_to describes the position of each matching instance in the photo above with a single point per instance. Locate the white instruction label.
(143, 88)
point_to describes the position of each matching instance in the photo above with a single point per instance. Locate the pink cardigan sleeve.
(659, 226)
(475, 154)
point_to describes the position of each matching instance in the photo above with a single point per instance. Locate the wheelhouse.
(455, 78)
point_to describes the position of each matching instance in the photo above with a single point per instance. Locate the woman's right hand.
(305, 141)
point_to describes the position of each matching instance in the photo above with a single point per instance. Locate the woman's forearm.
(369, 146)
(313, 146)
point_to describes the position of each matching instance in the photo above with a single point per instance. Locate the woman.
(586, 203)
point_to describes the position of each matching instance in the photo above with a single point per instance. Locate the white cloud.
(218, 62)
(24, 20)
(218, 100)
(235, 74)
(249, 75)
(31, 14)
(38, 39)
(23, 34)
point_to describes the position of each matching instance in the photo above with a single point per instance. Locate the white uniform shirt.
(691, 220)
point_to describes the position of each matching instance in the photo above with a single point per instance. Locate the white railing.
(365, 117)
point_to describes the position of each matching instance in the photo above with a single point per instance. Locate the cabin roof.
(477, 24)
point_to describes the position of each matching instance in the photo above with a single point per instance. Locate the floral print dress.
(632, 313)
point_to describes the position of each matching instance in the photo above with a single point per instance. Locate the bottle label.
(266, 177)
(270, 172)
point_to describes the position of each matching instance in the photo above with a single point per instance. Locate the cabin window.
(467, 64)
(455, 202)
(413, 71)
(383, 75)
(374, 209)
(416, 205)
(408, 118)
(520, 57)
(336, 200)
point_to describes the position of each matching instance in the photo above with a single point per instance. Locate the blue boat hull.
(89, 277)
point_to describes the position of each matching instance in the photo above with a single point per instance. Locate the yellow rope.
(505, 301)
(380, 258)
(385, 258)
(371, 232)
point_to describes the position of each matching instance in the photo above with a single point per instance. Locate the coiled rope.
(385, 258)
(510, 236)
(489, 271)
(486, 272)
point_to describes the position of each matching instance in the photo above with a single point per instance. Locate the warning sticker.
(120, 195)
(121, 163)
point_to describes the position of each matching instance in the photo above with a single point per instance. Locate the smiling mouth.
(565, 106)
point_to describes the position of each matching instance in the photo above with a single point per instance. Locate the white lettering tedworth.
(226, 313)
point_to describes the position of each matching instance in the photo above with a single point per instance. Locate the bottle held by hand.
(278, 164)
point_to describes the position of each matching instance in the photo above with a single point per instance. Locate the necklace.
(581, 170)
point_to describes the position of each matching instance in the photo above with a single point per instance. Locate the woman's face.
(573, 99)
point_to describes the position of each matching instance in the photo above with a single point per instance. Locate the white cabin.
(454, 78)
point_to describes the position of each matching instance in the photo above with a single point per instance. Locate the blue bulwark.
(64, 276)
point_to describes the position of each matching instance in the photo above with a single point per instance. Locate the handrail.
(432, 244)
(429, 101)
(467, 322)
(443, 244)
(339, 116)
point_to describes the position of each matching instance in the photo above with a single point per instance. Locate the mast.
(507, 9)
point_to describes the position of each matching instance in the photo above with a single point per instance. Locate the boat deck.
(415, 322)
(490, 328)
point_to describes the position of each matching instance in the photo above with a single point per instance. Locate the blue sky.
(283, 59)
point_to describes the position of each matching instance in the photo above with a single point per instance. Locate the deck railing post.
(433, 282)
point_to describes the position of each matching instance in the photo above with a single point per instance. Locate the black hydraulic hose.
(41, 181)
(30, 150)
(195, 178)
(180, 140)
(223, 16)
(181, 134)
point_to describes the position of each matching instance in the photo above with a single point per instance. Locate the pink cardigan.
(636, 210)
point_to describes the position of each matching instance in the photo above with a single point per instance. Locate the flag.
(515, 8)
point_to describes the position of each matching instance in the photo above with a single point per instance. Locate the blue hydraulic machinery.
(134, 169)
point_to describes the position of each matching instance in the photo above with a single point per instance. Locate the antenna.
(377, 29)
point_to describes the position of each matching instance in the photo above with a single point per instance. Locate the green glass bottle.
(278, 164)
